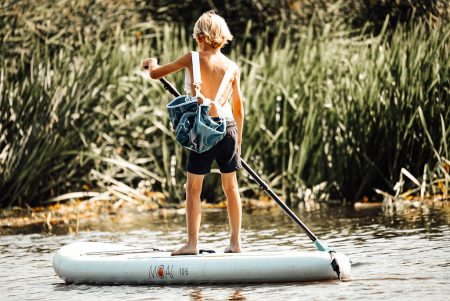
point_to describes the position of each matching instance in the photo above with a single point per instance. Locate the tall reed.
(345, 110)
(321, 108)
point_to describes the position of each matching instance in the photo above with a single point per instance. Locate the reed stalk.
(321, 107)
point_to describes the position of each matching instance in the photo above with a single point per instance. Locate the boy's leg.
(231, 189)
(193, 213)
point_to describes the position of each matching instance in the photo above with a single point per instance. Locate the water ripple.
(394, 256)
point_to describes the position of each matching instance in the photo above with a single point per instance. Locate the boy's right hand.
(149, 63)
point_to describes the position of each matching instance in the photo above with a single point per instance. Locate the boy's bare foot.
(186, 250)
(233, 249)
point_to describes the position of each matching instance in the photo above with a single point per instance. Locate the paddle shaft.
(257, 178)
(277, 200)
(168, 86)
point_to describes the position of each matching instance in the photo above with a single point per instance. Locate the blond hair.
(213, 29)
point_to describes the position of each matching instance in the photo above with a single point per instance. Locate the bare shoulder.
(230, 62)
(186, 58)
(237, 71)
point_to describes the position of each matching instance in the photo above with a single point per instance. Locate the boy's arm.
(238, 107)
(156, 72)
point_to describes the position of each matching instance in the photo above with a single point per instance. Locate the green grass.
(348, 108)
(342, 112)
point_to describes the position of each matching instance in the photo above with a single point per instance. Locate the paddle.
(319, 245)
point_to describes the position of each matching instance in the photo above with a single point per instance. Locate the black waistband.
(230, 122)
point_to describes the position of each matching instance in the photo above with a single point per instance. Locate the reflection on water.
(197, 294)
(396, 254)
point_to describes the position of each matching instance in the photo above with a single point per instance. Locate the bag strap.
(225, 81)
(187, 81)
(196, 71)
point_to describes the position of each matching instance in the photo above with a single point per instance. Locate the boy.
(211, 34)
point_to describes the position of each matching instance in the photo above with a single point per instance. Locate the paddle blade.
(321, 246)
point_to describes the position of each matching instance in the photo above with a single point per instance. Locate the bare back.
(213, 65)
(213, 68)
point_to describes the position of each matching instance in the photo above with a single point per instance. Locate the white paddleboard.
(105, 263)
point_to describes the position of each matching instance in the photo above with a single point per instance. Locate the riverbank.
(70, 213)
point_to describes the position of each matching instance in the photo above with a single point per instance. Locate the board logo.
(161, 271)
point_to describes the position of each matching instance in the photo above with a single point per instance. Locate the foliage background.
(363, 92)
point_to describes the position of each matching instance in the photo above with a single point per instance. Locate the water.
(396, 255)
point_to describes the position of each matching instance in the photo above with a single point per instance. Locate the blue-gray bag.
(194, 128)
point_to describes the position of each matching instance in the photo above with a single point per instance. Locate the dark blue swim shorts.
(226, 153)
